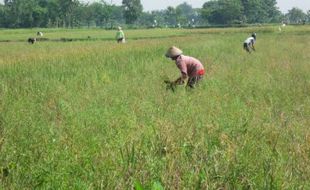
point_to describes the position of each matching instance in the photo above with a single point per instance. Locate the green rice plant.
(93, 114)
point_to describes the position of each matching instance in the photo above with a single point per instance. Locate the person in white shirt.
(39, 33)
(248, 44)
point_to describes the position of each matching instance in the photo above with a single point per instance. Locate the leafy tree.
(158, 17)
(185, 13)
(74, 13)
(271, 10)
(32, 14)
(132, 10)
(2, 13)
(208, 8)
(296, 15)
(253, 11)
(250, 11)
(171, 16)
(99, 13)
(81, 15)
(39, 14)
(153, 19)
(109, 10)
(146, 19)
(117, 16)
(11, 13)
(53, 13)
(26, 15)
(66, 8)
(223, 11)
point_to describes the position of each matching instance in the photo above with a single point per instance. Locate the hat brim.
(173, 52)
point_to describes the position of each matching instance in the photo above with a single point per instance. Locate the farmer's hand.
(170, 85)
(167, 81)
(179, 81)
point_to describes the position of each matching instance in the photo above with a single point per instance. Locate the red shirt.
(189, 65)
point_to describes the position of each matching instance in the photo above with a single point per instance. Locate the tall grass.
(96, 115)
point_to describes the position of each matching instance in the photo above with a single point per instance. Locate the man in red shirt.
(190, 67)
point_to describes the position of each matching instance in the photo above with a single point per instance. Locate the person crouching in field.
(40, 34)
(249, 43)
(190, 67)
(120, 36)
(32, 40)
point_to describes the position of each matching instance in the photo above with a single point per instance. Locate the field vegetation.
(94, 114)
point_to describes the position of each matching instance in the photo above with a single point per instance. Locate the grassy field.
(96, 114)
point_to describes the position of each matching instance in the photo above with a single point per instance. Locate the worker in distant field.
(190, 67)
(249, 43)
(120, 36)
(32, 40)
(40, 34)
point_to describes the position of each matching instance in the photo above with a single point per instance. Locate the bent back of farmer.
(249, 43)
(120, 36)
(189, 67)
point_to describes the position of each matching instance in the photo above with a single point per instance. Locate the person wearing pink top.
(190, 67)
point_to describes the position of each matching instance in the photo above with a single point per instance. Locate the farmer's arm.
(183, 68)
(252, 44)
(181, 79)
(253, 47)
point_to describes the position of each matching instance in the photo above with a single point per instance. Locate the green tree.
(40, 18)
(117, 16)
(223, 11)
(2, 17)
(250, 11)
(67, 8)
(253, 11)
(53, 13)
(11, 13)
(295, 15)
(132, 10)
(32, 14)
(208, 8)
(82, 15)
(272, 13)
(102, 13)
(185, 13)
(26, 15)
(146, 19)
(170, 16)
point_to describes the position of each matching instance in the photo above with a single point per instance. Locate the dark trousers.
(192, 81)
(246, 47)
(120, 40)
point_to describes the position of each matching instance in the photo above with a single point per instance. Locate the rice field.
(94, 114)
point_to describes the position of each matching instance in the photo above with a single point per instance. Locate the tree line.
(75, 13)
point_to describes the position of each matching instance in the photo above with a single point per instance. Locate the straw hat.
(173, 52)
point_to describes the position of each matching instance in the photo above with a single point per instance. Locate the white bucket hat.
(119, 28)
(173, 52)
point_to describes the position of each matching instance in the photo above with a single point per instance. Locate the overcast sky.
(149, 5)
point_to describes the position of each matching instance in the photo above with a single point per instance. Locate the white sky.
(149, 5)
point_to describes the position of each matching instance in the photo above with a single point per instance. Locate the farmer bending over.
(31, 40)
(190, 67)
(120, 36)
(249, 43)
